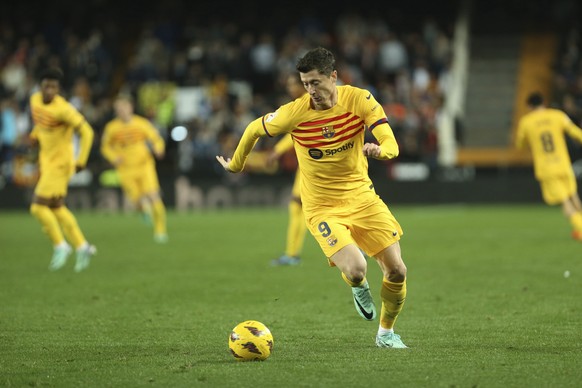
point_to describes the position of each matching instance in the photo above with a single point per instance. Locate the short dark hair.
(535, 99)
(52, 73)
(319, 59)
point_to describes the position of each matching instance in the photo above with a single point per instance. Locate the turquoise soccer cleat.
(60, 256)
(390, 340)
(364, 302)
(285, 260)
(84, 256)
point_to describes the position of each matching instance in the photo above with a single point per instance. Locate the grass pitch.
(490, 304)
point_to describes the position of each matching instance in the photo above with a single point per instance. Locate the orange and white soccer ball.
(250, 341)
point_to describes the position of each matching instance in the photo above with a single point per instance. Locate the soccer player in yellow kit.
(543, 130)
(296, 228)
(341, 208)
(126, 143)
(55, 122)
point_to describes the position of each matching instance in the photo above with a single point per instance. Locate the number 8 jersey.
(543, 131)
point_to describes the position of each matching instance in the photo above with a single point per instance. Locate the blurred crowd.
(216, 75)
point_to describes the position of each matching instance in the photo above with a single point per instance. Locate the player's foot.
(577, 235)
(390, 340)
(84, 255)
(146, 218)
(285, 260)
(161, 238)
(60, 256)
(364, 302)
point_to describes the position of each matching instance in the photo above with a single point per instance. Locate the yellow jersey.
(130, 142)
(543, 131)
(54, 126)
(328, 143)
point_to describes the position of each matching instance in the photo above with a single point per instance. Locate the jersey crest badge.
(327, 132)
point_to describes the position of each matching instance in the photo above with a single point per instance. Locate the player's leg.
(378, 232)
(84, 250)
(393, 294)
(353, 267)
(42, 212)
(332, 233)
(296, 228)
(151, 187)
(574, 216)
(159, 218)
(131, 183)
(564, 190)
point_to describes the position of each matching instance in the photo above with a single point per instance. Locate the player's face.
(49, 88)
(123, 109)
(321, 88)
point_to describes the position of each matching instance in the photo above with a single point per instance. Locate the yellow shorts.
(137, 182)
(365, 221)
(54, 182)
(556, 190)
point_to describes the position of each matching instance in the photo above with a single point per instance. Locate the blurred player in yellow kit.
(543, 130)
(342, 210)
(126, 143)
(55, 123)
(296, 228)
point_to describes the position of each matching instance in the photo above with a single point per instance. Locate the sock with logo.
(352, 284)
(393, 297)
(50, 224)
(295, 230)
(70, 226)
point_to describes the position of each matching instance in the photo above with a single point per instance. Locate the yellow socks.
(70, 226)
(350, 283)
(296, 230)
(159, 217)
(49, 222)
(393, 297)
(576, 221)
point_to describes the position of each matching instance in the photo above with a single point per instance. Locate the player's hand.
(272, 158)
(224, 162)
(159, 155)
(372, 150)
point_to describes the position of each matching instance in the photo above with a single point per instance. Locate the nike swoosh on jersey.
(369, 95)
(368, 315)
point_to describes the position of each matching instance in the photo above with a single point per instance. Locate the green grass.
(488, 304)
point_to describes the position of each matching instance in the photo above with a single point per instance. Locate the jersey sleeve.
(281, 121)
(71, 115)
(377, 123)
(520, 138)
(106, 147)
(153, 136)
(251, 135)
(86, 133)
(574, 131)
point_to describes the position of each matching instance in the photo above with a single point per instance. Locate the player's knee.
(397, 273)
(356, 275)
(34, 209)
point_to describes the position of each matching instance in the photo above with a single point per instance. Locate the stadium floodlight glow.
(179, 133)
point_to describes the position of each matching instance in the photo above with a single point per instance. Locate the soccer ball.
(250, 340)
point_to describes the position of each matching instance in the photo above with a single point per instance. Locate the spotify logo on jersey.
(315, 153)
